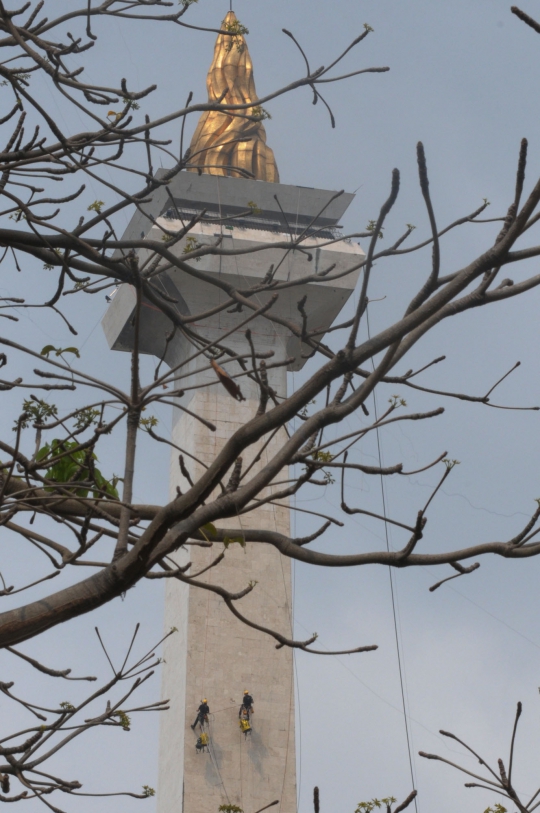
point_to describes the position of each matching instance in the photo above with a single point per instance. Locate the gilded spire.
(216, 147)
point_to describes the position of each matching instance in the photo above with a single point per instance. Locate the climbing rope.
(400, 668)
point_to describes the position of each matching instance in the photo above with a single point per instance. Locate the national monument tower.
(213, 655)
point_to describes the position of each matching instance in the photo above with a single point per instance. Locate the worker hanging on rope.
(202, 743)
(202, 714)
(246, 709)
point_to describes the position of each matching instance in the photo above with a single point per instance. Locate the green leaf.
(37, 410)
(191, 245)
(232, 540)
(96, 206)
(148, 423)
(43, 452)
(237, 30)
(49, 348)
(368, 807)
(260, 113)
(208, 530)
(75, 465)
(324, 457)
(86, 417)
(124, 719)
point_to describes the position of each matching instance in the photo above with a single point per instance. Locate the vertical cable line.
(240, 758)
(288, 603)
(214, 760)
(391, 580)
(299, 780)
(295, 663)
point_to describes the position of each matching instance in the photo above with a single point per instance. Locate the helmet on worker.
(246, 691)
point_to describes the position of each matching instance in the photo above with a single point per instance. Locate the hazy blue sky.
(464, 79)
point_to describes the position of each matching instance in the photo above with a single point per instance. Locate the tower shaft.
(216, 656)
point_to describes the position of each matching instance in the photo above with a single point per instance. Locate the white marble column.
(214, 655)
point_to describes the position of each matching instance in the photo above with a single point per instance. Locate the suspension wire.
(291, 697)
(299, 780)
(214, 760)
(293, 604)
(240, 761)
(400, 668)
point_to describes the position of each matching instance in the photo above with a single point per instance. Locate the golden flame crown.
(227, 143)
